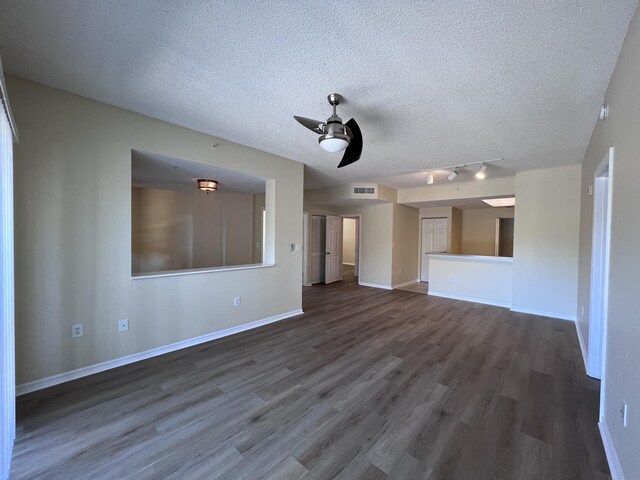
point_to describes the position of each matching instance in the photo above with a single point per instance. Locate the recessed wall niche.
(177, 227)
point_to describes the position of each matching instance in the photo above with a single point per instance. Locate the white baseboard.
(542, 313)
(583, 346)
(154, 352)
(610, 451)
(347, 263)
(375, 285)
(404, 284)
(469, 299)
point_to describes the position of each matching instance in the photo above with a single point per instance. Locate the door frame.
(600, 253)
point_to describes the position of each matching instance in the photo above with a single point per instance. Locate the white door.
(333, 258)
(434, 240)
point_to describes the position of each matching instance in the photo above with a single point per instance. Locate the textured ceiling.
(431, 83)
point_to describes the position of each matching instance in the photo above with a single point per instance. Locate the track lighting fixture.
(482, 172)
(429, 178)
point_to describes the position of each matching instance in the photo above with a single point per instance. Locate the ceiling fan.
(336, 136)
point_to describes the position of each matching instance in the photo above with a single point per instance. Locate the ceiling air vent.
(364, 191)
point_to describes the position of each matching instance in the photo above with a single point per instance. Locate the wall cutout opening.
(176, 227)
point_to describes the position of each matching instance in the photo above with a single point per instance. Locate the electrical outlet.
(123, 325)
(624, 413)
(77, 330)
(236, 301)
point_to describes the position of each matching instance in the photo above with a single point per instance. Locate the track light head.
(429, 178)
(482, 172)
(453, 175)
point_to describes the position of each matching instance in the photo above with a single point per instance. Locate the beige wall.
(237, 225)
(73, 237)
(162, 230)
(479, 229)
(456, 230)
(545, 257)
(376, 243)
(349, 241)
(620, 130)
(175, 230)
(258, 207)
(405, 244)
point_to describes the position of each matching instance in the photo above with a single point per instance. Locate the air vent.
(364, 190)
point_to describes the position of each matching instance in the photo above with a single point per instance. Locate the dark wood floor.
(366, 384)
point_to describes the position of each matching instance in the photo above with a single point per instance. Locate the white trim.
(600, 253)
(543, 313)
(404, 284)
(196, 271)
(4, 100)
(610, 451)
(469, 299)
(375, 285)
(583, 345)
(154, 352)
(350, 264)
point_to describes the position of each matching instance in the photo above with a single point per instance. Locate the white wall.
(376, 243)
(349, 241)
(545, 257)
(482, 280)
(73, 237)
(620, 131)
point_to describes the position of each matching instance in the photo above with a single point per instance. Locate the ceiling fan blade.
(354, 150)
(315, 125)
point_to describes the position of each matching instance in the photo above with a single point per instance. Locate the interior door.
(434, 240)
(333, 258)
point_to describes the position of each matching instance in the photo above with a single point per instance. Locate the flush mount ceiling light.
(501, 202)
(207, 185)
(482, 173)
(429, 178)
(453, 175)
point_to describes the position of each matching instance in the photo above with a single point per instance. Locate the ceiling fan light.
(207, 185)
(453, 175)
(429, 178)
(482, 172)
(334, 142)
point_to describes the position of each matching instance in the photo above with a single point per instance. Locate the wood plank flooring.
(367, 384)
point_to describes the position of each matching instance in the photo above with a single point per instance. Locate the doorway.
(351, 243)
(433, 240)
(324, 255)
(602, 195)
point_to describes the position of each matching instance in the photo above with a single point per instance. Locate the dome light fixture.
(334, 142)
(207, 185)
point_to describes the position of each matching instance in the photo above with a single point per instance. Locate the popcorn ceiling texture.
(430, 83)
